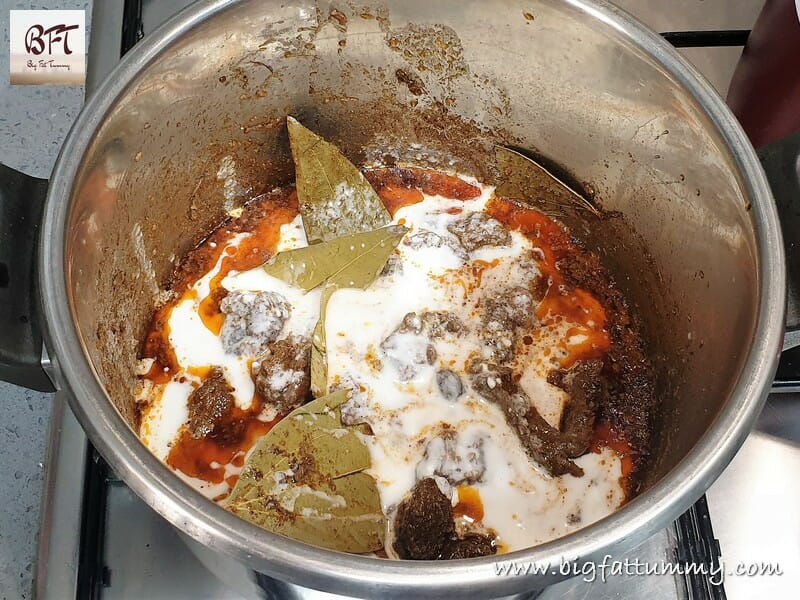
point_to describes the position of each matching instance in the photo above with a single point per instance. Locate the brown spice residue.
(411, 80)
(339, 17)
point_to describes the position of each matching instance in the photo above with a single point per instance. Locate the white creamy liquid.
(522, 503)
(196, 346)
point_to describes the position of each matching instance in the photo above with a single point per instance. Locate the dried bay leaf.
(335, 198)
(366, 264)
(350, 261)
(310, 266)
(308, 427)
(358, 269)
(319, 353)
(318, 516)
(304, 480)
(522, 177)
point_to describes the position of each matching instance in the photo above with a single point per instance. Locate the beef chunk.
(544, 444)
(253, 320)
(424, 523)
(509, 310)
(424, 528)
(393, 266)
(498, 347)
(630, 401)
(356, 410)
(408, 353)
(478, 229)
(411, 323)
(457, 459)
(210, 405)
(407, 348)
(449, 384)
(492, 382)
(283, 377)
(529, 271)
(435, 324)
(585, 388)
(471, 545)
(503, 316)
(430, 239)
(440, 324)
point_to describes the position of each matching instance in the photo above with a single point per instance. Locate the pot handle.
(781, 162)
(21, 347)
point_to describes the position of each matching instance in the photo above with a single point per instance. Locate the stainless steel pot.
(697, 247)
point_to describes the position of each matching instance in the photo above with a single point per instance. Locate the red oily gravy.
(561, 301)
(195, 457)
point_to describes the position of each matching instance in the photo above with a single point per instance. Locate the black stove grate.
(707, 39)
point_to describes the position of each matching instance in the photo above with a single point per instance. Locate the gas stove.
(98, 540)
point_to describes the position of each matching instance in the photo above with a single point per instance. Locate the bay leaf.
(523, 178)
(353, 260)
(310, 266)
(335, 198)
(312, 429)
(359, 265)
(304, 479)
(319, 354)
(319, 518)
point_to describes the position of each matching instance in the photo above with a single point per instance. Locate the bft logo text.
(37, 35)
(48, 46)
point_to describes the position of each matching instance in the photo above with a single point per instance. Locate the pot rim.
(337, 572)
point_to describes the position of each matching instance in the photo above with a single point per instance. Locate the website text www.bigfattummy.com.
(609, 567)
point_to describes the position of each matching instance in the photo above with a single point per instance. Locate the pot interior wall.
(429, 82)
